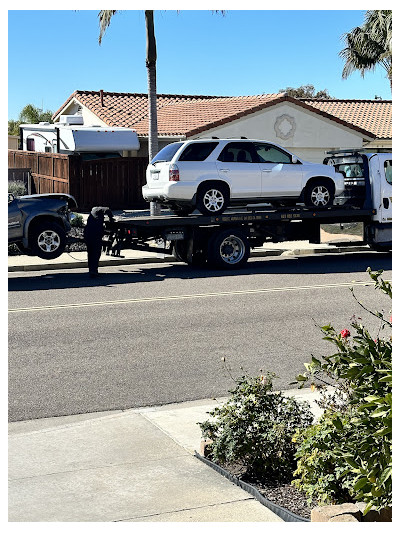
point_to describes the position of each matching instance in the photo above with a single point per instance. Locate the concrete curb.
(157, 258)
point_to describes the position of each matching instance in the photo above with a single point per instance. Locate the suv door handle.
(224, 169)
(267, 169)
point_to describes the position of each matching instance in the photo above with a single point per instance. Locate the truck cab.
(368, 184)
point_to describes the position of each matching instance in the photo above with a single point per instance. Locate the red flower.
(345, 333)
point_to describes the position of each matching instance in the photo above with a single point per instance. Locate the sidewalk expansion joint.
(211, 505)
(93, 468)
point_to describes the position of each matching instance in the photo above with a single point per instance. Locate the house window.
(30, 145)
(47, 149)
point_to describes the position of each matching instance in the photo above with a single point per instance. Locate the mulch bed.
(282, 493)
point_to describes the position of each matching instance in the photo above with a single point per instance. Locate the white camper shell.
(71, 136)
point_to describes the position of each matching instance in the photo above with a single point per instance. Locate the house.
(307, 127)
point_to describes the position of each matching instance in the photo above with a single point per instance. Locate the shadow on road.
(316, 264)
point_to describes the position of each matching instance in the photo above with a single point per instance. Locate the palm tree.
(369, 45)
(105, 17)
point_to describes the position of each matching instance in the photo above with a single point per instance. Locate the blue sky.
(53, 53)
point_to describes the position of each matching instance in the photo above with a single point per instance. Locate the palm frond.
(105, 16)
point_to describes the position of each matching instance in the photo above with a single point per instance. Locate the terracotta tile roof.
(187, 115)
(192, 117)
(374, 116)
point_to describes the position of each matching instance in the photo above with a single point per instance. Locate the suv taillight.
(173, 173)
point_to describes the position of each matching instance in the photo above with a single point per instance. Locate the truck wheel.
(229, 249)
(183, 251)
(48, 240)
(319, 194)
(212, 198)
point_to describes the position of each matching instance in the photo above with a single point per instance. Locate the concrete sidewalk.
(132, 466)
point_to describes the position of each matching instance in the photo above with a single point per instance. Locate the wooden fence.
(114, 182)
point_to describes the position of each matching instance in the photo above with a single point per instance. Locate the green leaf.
(351, 462)
(360, 484)
(383, 431)
(338, 424)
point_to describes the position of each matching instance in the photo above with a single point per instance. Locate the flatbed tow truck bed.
(224, 240)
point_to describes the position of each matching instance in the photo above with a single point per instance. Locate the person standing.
(93, 235)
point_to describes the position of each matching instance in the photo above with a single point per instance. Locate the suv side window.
(388, 170)
(197, 151)
(267, 153)
(238, 152)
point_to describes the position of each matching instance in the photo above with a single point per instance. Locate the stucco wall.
(302, 132)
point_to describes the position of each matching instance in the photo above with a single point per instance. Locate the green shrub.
(17, 188)
(253, 430)
(359, 435)
(77, 221)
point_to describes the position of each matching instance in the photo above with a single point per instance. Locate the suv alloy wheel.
(212, 198)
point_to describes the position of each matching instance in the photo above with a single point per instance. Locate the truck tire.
(212, 198)
(47, 240)
(184, 251)
(319, 194)
(229, 249)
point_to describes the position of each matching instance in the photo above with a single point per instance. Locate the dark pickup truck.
(39, 223)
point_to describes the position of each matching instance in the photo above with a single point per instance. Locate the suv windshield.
(167, 153)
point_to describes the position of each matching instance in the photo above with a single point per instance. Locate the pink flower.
(345, 333)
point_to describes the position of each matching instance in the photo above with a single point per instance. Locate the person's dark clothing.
(93, 235)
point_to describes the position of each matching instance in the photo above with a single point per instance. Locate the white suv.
(211, 174)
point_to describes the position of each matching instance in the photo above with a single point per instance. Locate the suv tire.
(47, 240)
(212, 198)
(319, 194)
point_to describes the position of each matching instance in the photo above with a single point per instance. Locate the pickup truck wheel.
(229, 249)
(319, 194)
(48, 240)
(212, 199)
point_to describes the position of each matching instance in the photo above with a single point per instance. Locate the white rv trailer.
(71, 136)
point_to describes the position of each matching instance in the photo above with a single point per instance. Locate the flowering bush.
(253, 430)
(347, 455)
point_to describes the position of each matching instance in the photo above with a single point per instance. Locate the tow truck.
(225, 241)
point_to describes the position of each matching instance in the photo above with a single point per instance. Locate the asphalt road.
(155, 334)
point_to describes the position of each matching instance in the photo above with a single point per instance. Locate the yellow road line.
(186, 297)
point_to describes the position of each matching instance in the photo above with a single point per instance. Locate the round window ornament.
(285, 126)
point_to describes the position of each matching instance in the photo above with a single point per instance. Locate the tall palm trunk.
(151, 59)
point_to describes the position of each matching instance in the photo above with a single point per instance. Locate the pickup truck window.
(388, 170)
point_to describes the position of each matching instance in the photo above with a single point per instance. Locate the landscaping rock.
(350, 512)
(331, 513)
